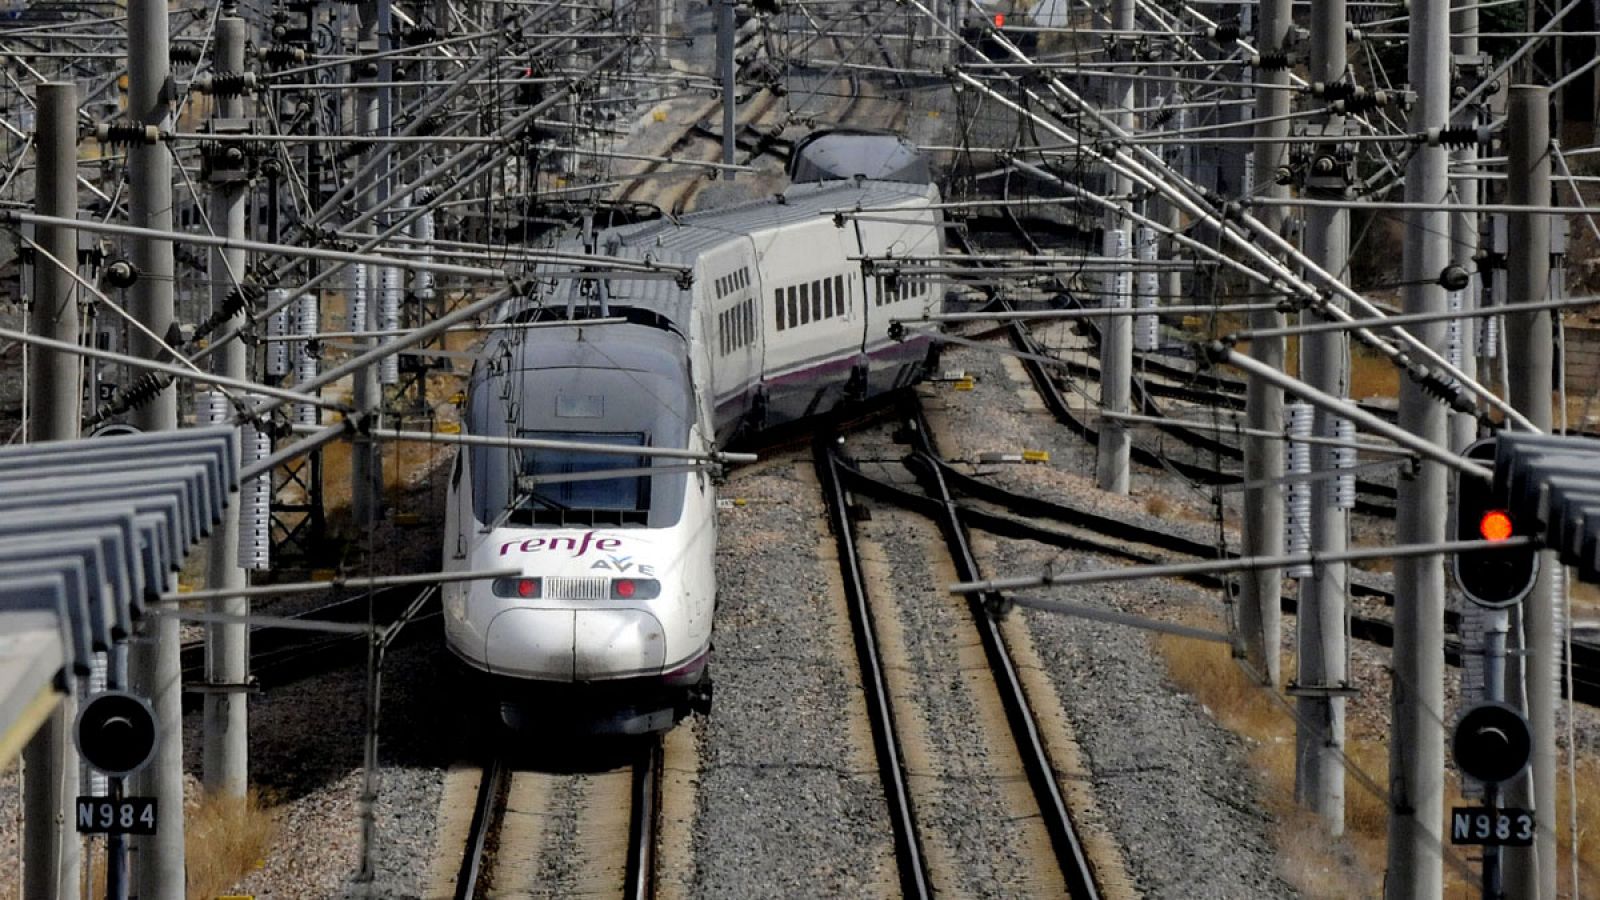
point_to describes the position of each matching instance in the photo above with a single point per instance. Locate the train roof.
(682, 240)
(688, 236)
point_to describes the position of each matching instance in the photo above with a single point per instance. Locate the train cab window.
(777, 307)
(794, 309)
(624, 500)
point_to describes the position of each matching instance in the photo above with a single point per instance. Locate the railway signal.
(1499, 578)
(116, 732)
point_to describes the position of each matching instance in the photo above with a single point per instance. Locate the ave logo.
(623, 564)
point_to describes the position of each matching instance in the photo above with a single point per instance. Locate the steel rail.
(913, 865)
(486, 813)
(643, 822)
(1053, 810)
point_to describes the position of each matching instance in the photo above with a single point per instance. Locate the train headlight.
(635, 589)
(516, 588)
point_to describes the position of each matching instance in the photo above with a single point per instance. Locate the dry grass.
(1353, 866)
(224, 839)
(1158, 505)
(1587, 780)
(1317, 867)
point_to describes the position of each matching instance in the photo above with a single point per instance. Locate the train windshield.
(558, 487)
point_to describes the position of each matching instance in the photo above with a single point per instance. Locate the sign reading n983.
(1491, 827)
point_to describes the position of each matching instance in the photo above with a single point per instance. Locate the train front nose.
(575, 645)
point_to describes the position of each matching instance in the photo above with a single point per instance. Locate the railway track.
(538, 831)
(1022, 517)
(1157, 378)
(1027, 749)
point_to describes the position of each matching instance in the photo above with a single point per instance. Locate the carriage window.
(777, 304)
(805, 303)
(816, 300)
(794, 310)
(749, 323)
(827, 297)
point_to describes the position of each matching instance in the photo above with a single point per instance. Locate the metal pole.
(1260, 613)
(1416, 744)
(1464, 226)
(225, 757)
(50, 841)
(366, 464)
(1116, 332)
(1531, 872)
(1496, 625)
(1325, 365)
(155, 666)
(725, 72)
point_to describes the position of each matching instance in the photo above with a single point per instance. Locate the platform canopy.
(90, 531)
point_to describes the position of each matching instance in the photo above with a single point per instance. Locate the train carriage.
(782, 319)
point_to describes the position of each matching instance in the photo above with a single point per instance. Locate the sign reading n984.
(121, 815)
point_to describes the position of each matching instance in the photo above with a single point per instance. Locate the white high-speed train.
(609, 623)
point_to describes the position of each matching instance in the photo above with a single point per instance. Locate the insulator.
(1453, 346)
(389, 320)
(278, 327)
(115, 134)
(422, 231)
(230, 84)
(145, 387)
(1338, 90)
(1297, 499)
(1489, 337)
(184, 54)
(421, 34)
(1365, 102)
(238, 299)
(1458, 137)
(1120, 286)
(1226, 33)
(1146, 328)
(307, 320)
(1344, 459)
(255, 501)
(281, 55)
(356, 298)
(1272, 61)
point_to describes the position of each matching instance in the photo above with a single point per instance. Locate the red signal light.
(624, 588)
(999, 20)
(527, 587)
(1495, 525)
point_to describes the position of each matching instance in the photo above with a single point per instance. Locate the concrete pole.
(366, 461)
(156, 672)
(725, 73)
(1325, 365)
(50, 760)
(1531, 872)
(1116, 332)
(225, 767)
(1464, 226)
(1416, 743)
(1260, 615)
